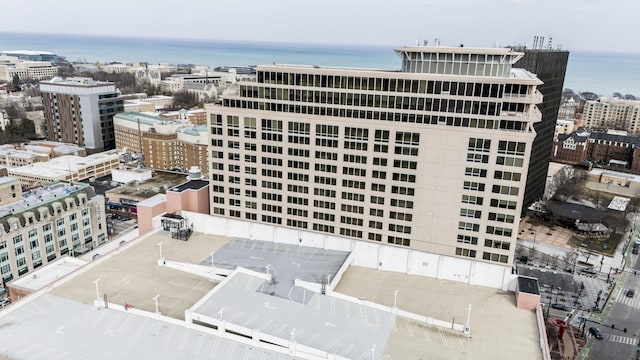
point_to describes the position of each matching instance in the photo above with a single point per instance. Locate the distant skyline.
(578, 25)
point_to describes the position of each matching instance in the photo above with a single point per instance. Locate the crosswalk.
(629, 301)
(619, 339)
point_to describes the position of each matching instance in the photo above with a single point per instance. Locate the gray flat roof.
(286, 263)
(333, 325)
(55, 328)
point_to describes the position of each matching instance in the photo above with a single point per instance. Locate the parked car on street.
(560, 306)
(591, 271)
(630, 293)
(4, 302)
(596, 333)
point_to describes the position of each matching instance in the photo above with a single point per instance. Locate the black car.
(560, 306)
(596, 333)
(630, 293)
(634, 251)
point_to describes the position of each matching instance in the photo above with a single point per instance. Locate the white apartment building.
(46, 223)
(25, 69)
(433, 157)
(613, 113)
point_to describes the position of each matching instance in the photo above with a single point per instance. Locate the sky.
(585, 25)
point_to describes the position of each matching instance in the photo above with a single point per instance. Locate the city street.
(623, 314)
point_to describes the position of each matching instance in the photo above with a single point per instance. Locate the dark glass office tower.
(550, 66)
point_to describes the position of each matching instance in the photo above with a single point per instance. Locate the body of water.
(602, 73)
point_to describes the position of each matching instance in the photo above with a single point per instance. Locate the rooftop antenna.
(550, 46)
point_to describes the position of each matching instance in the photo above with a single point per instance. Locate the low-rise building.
(46, 223)
(611, 148)
(31, 55)
(55, 149)
(126, 197)
(12, 158)
(68, 167)
(25, 69)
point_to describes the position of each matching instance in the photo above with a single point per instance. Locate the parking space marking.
(232, 349)
(83, 317)
(346, 350)
(464, 342)
(443, 338)
(214, 347)
(331, 344)
(311, 339)
(198, 347)
(125, 325)
(427, 337)
(248, 322)
(347, 310)
(167, 338)
(409, 327)
(363, 314)
(185, 338)
(333, 305)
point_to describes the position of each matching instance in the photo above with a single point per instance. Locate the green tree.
(16, 80)
(28, 128)
(12, 112)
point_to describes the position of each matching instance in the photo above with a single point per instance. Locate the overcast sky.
(599, 25)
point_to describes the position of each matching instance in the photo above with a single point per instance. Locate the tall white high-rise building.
(432, 157)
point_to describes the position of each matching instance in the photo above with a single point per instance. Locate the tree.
(28, 128)
(16, 80)
(12, 112)
(184, 99)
